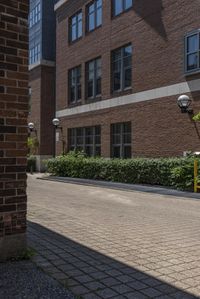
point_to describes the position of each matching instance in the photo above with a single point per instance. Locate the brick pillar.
(13, 125)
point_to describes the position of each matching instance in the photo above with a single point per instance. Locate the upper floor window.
(122, 68)
(34, 54)
(120, 6)
(35, 15)
(93, 78)
(121, 140)
(76, 26)
(192, 45)
(75, 85)
(94, 15)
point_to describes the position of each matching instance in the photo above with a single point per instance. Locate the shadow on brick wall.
(151, 12)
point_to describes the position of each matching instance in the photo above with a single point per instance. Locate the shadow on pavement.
(93, 275)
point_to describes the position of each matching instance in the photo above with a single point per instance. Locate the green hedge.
(174, 172)
(31, 164)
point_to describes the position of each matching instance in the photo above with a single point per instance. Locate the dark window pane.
(192, 61)
(79, 92)
(127, 152)
(127, 78)
(98, 87)
(98, 151)
(117, 81)
(89, 151)
(116, 152)
(127, 138)
(127, 127)
(90, 89)
(192, 43)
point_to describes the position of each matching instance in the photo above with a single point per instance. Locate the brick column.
(13, 125)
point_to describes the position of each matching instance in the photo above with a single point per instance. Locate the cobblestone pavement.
(104, 243)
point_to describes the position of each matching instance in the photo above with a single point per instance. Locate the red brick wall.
(156, 30)
(13, 125)
(42, 83)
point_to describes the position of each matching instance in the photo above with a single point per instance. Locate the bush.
(176, 172)
(31, 164)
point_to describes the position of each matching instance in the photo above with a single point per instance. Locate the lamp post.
(184, 103)
(56, 123)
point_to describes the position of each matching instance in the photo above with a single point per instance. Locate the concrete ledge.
(12, 246)
(126, 187)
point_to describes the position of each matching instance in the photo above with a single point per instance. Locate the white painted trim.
(59, 4)
(41, 62)
(143, 96)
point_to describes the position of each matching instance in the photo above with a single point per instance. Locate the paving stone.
(106, 293)
(121, 289)
(143, 241)
(94, 285)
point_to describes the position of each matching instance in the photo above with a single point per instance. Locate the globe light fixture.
(31, 127)
(56, 122)
(184, 103)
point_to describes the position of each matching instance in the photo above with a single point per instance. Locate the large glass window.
(121, 140)
(34, 54)
(76, 26)
(94, 15)
(86, 139)
(122, 68)
(93, 78)
(192, 45)
(75, 85)
(35, 15)
(121, 5)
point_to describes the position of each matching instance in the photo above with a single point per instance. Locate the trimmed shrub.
(31, 164)
(172, 172)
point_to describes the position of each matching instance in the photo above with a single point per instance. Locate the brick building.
(13, 126)
(42, 75)
(120, 67)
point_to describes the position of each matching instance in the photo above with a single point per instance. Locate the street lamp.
(31, 127)
(56, 123)
(184, 103)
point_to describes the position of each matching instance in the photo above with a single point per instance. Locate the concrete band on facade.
(157, 93)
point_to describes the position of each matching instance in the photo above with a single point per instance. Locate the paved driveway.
(104, 243)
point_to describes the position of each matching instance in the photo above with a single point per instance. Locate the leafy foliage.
(174, 172)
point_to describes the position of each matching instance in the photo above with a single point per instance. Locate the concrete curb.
(125, 187)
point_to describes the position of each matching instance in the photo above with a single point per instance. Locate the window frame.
(95, 16)
(77, 100)
(122, 145)
(77, 27)
(35, 15)
(95, 78)
(94, 145)
(124, 10)
(186, 53)
(122, 69)
(35, 54)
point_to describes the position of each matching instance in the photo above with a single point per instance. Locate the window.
(34, 54)
(75, 85)
(120, 6)
(94, 15)
(93, 78)
(86, 139)
(122, 68)
(192, 45)
(76, 26)
(121, 140)
(35, 15)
